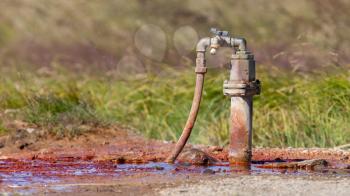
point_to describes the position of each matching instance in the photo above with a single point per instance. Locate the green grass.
(63, 114)
(303, 112)
(2, 127)
(293, 110)
(55, 104)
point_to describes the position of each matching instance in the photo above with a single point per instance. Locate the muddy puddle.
(29, 176)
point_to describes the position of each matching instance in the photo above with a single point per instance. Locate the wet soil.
(120, 146)
(110, 161)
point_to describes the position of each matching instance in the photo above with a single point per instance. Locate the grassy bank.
(293, 110)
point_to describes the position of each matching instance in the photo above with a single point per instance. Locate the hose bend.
(200, 72)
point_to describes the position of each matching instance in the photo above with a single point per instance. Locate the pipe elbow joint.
(203, 44)
(240, 43)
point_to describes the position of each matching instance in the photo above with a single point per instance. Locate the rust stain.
(239, 152)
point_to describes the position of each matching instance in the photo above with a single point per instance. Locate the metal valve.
(216, 41)
(217, 32)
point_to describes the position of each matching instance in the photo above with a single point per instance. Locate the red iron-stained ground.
(107, 155)
(119, 146)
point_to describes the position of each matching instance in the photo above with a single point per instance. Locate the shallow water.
(23, 176)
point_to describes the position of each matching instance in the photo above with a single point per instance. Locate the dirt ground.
(114, 161)
(120, 146)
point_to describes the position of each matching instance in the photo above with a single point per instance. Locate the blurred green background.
(69, 65)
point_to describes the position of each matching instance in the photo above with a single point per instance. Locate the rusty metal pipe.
(203, 44)
(240, 148)
(241, 87)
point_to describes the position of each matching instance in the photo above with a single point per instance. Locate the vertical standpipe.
(241, 88)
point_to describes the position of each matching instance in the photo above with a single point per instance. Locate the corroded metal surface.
(241, 90)
(240, 130)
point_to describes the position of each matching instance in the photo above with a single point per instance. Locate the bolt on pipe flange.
(241, 89)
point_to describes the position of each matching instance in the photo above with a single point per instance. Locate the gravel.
(265, 185)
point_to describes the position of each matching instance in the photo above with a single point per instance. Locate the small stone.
(24, 145)
(208, 171)
(158, 168)
(185, 164)
(196, 157)
(215, 149)
(30, 130)
(313, 164)
(120, 160)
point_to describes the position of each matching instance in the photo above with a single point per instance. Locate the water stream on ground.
(25, 176)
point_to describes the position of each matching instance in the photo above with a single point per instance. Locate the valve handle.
(216, 31)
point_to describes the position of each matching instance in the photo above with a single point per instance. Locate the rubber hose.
(191, 119)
